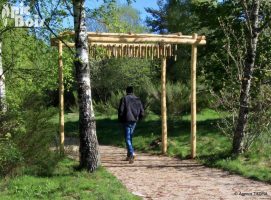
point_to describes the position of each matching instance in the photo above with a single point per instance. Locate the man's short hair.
(129, 90)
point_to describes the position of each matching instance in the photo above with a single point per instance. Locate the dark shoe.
(131, 159)
(128, 158)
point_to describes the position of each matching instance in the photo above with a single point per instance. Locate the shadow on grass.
(211, 159)
(72, 128)
(43, 169)
(110, 132)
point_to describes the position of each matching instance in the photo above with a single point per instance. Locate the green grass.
(65, 183)
(213, 148)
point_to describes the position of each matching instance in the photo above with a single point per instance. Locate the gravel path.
(164, 178)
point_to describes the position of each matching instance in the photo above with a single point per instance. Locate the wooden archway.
(140, 46)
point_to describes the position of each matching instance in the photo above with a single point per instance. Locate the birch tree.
(3, 106)
(257, 19)
(89, 148)
(2, 82)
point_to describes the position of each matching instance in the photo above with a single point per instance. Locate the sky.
(141, 4)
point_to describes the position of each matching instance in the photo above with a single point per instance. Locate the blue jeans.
(129, 128)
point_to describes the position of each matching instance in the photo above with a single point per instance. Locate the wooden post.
(61, 98)
(193, 99)
(164, 105)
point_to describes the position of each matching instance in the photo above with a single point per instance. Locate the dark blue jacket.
(130, 109)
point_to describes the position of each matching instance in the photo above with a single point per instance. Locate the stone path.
(164, 178)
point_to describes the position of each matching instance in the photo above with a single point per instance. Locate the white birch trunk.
(3, 106)
(89, 147)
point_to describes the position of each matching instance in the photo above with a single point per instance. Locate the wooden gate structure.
(140, 46)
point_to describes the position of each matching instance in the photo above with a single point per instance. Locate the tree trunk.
(89, 147)
(3, 106)
(240, 130)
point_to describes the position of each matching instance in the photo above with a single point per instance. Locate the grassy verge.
(213, 148)
(65, 183)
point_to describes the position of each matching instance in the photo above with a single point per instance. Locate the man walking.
(129, 112)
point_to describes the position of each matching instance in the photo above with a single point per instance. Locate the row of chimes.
(135, 50)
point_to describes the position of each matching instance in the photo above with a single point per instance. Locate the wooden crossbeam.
(143, 40)
(131, 35)
(134, 38)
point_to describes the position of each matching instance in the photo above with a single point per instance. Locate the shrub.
(178, 102)
(35, 141)
(114, 99)
(104, 108)
(227, 104)
(110, 107)
(178, 99)
(10, 156)
(26, 136)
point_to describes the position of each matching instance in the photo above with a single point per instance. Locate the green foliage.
(115, 99)
(26, 134)
(105, 108)
(178, 99)
(116, 74)
(113, 17)
(111, 106)
(65, 183)
(227, 105)
(26, 138)
(10, 157)
(192, 18)
(35, 142)
(30, 65)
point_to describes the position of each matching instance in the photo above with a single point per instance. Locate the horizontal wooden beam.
(55, 41)
(143, 35)
(143, 40)
(97, 34)
(94, 37)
